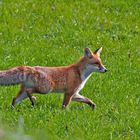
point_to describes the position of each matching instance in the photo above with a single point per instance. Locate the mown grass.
(53, 33)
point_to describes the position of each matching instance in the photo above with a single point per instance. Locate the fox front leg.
(79, 98)
(66, 101)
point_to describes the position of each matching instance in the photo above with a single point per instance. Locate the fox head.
(94, 63)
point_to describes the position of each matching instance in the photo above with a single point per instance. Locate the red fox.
(68, 79)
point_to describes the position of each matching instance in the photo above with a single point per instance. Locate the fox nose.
(105, 70)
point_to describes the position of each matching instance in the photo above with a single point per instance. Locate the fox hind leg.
(20, 96)
(32, 98)
(23, 94)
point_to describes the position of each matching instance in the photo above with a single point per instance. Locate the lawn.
(54, 33)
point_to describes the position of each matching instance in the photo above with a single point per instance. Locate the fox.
(69, 80)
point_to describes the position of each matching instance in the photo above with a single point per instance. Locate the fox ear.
(87, 52)
(98, 51)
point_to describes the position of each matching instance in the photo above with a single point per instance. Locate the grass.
(54, 33)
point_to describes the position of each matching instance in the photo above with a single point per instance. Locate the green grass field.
(54, 33)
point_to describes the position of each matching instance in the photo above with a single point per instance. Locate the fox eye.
(96, 63)
(90, 57)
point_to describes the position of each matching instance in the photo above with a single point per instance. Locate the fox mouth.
(103, 70)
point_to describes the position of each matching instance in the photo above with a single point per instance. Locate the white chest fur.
(84, 78)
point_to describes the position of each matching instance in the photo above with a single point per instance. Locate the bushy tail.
(12, 76)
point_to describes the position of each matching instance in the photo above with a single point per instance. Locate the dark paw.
(13, 103)
(93, 106)
(12, 107)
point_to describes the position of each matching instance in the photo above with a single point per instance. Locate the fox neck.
(85, 72)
